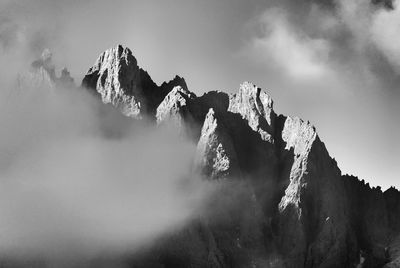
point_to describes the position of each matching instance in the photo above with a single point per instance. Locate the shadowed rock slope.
(294, 209)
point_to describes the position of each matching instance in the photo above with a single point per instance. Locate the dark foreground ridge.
(298, 210)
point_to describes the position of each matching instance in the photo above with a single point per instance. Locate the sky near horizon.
(335, 63)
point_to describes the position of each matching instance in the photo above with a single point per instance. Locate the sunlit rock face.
(284, 201)
(313, 210)
(174, 107)
(118, 79)
(254, 105)
(216, 155)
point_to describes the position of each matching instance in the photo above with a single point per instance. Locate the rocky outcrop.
(254, 105)
(313, 210)
(116, 77)
(174, 107)
(120, 82)
(215, 155)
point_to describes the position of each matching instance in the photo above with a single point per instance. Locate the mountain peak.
(121, 52)
(114, 57)
(119, 80)
(256, 106)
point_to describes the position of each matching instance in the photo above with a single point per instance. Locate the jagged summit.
(118, 79)
(113, 58)
(173, 106)
(176, 81)
(256, 106)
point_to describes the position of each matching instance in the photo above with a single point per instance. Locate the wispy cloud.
(373, 27)
(385, 33)
(326, 42)
(301, 56)
(78, 178)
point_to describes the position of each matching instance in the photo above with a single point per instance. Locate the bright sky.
(334, 65)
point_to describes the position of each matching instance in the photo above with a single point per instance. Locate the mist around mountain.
(122, 172)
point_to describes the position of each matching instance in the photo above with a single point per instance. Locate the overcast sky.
(334, 63)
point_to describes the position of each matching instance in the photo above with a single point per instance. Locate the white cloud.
(385, 33)
(355, 15)
(296, 53)
(373, 27)
(78, 178)
(325, 44)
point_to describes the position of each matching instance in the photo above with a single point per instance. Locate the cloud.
(385, 33)
(78, 179)
(309, 42)
(299, 55)
(372, 27)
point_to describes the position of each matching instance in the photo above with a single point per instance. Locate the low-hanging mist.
(78, 178)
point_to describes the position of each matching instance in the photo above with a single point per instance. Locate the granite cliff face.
(298, 210)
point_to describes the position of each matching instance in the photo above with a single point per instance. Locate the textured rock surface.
(256, 107)
(174, 106)
(119, 81)
(116, 77)
(215, 152)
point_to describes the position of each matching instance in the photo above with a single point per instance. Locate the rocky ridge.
(312, 215)
(297, 209)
